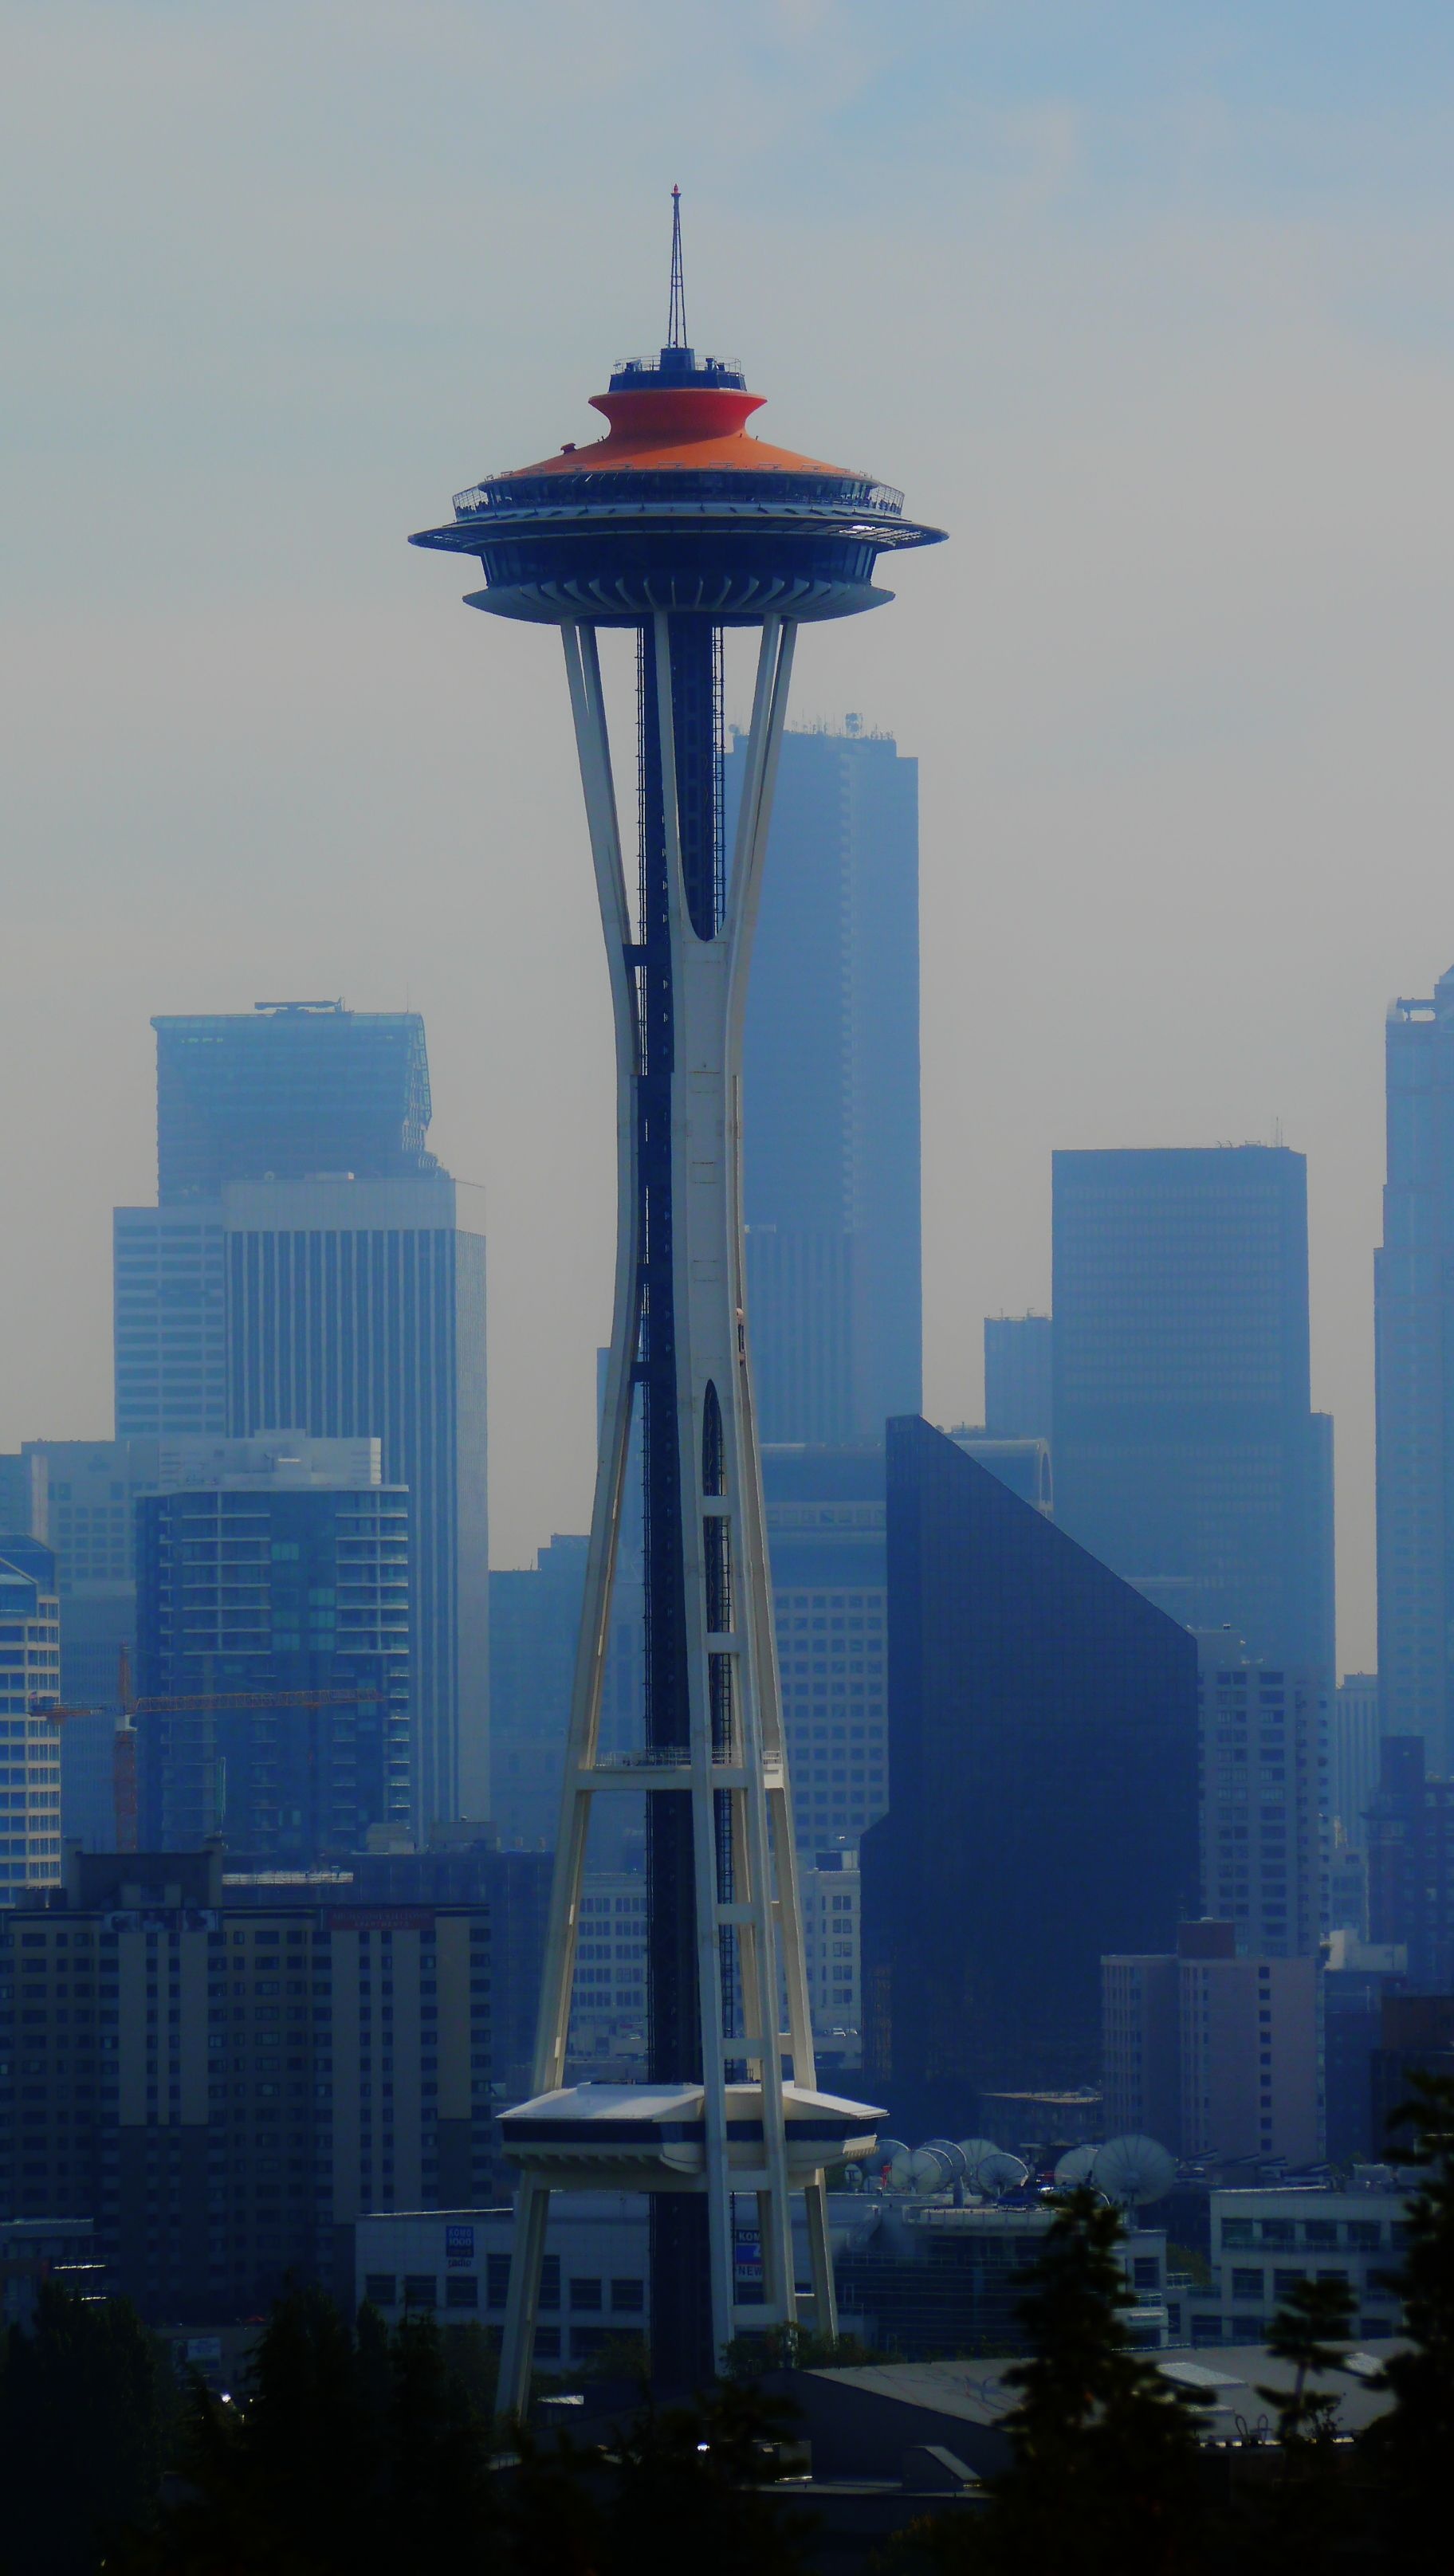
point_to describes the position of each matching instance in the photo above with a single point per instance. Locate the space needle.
(673, 527)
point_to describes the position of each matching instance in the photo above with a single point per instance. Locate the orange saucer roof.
(696, 428)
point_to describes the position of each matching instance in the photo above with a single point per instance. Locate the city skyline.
(1178, 300)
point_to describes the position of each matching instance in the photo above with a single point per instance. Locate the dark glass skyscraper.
(1185, 1450)
(831, 1091)
(1043, 1754)
(1413, 1298)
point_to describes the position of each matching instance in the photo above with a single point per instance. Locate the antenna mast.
(676, 328)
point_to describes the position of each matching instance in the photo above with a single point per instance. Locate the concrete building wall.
(1249, 2058)
(1263, 1749)
(221, 2084)
(1141, 2068)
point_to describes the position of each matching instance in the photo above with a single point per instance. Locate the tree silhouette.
(1412, 2445)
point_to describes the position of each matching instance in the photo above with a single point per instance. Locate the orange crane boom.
(185, 1704)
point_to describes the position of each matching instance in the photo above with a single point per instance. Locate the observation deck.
(677, 508)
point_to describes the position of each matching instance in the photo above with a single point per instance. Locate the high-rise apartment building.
(829, 1888)
(1410, 1831)
(1264, 1799)
(308, 1264)
(1018, 1377)
(274, 1566)
(825, 1530)
(1413, 1305)
(92, 1488)
(1042, 1738)
(1185, 1449)
(223, 2075)
(831, 1091)
(30, 1680)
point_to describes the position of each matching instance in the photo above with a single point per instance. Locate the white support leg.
(728, 1623)
(820, 2258)
(517, 2356)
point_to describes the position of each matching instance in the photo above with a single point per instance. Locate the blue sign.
(459, 2244)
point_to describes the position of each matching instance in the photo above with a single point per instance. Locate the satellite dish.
(997, 2173)
(954, 2156)
(1133, 2171)
(898, 2175)
(929, 2171)
(974, 2151)
(1074, 2168)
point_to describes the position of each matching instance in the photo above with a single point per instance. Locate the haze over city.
(1151, 308)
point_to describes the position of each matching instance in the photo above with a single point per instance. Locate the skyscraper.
(1264, 1798)
(535, 1620)
(1017, 1376)
(831, 1090)
(1043, 1752)
(825, 1527)
(273, 1566)
(1184, 1446)
(356, 1309)
(30, 1681)
(291, 1091)
(92, 1488)
(310, 1265)
(1413, 1304)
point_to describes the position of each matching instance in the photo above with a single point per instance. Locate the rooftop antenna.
(676, 329)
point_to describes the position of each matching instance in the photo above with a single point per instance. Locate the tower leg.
(517, 2357)
(820, 2259)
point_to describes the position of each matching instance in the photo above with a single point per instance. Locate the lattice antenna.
(676, 329)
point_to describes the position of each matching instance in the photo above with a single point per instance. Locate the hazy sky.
(1152, 305)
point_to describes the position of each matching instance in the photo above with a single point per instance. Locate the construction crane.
(181, 1704)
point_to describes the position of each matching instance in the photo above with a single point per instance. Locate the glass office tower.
(1186, 1453)
(309, 1265)
(1043, 1754)
(1413, 1292)
(288, 1091)
(831, 1091)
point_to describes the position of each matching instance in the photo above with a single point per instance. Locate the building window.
(379, 2289)
(1246, 2285)
(421, 2290)
(628, 2298)
(461, 2290)
(585, 2295)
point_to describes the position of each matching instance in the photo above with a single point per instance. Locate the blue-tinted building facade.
(1413, 1304)
(309, 1265)
(831, 1092)
(287, 1091)
(1043, 1755)
(1186, 1451)
(253, 1584)
(825, 1536)
(356, 1309)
